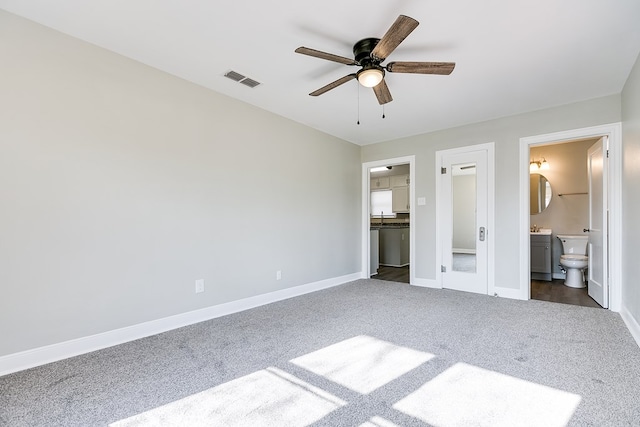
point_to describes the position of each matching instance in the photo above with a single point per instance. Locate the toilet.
(574, 258)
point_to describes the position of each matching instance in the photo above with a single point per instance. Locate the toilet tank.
(574, 243)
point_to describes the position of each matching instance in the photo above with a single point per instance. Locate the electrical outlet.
(278, 275)
(199, 286)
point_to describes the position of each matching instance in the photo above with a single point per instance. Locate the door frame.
(366, 215)
(614, 133)
(491, 228)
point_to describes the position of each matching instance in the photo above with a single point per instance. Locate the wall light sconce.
(536, 165)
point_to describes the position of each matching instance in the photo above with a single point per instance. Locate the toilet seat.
(574, 261)
(574, 257)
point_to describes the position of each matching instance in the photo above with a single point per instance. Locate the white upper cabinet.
(380, 183)
(399, 180)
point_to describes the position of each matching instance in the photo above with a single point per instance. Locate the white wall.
(505, 132)
(630, 194)
(121, 185)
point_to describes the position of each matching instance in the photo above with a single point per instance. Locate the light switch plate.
(422, 201)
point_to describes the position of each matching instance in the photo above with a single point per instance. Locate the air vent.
(250, 82)
(237, 77)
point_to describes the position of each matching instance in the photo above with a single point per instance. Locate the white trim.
(511, 293)
(427, 283)
(52, 353)
(614, 132)
(366, 218)
(491, 203)
(631, 323)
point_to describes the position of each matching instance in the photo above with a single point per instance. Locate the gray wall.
(567, 173)
(630, 192)
(121, 185)
(505, 133)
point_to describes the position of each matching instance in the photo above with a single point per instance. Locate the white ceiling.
(511, 56)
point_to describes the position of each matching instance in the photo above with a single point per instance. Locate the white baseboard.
(51, 353)
(632, 324)
(426, 283)
(511, 293)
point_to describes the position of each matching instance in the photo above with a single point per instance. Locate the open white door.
(464, 215)
(598, 223)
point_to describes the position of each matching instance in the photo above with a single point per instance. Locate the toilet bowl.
(574, 258)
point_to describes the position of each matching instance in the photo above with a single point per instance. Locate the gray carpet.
(368, 353)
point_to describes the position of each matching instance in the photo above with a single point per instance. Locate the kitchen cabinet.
(380, 183)
(400, 199)
(400, 193)
(541, 257)
(399, 180)
(394, 246)
(375, 252)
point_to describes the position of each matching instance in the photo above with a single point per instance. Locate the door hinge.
(443, 269)
(443, 171)
(607, 154)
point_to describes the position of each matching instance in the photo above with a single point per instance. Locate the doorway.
(576, 201)
(394, 246)
(559, 205)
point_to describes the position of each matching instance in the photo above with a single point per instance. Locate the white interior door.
(598, 223)
(464, 220)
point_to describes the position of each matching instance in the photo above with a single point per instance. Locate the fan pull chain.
(383, 116)
(358, 105)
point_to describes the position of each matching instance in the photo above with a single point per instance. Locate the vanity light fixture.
(535, 165)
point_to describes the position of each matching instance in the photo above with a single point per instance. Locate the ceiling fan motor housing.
(362, 51)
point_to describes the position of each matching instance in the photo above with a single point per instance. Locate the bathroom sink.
(542, 231)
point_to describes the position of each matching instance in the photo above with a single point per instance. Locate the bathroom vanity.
(541, 254)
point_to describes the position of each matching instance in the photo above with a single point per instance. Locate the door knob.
(585, 230)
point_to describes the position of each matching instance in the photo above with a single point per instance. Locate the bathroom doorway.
(562, 207)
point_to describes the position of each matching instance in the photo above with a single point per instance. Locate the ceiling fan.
(370, 53)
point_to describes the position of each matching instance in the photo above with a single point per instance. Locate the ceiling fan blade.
(324, 55)
(443, 68)
(400, 29)
(333, 85)
(382, 93)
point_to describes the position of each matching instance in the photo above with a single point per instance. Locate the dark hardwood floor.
(556, 291)
(393, 274)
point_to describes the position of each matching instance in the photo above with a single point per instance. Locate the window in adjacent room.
(381, 204)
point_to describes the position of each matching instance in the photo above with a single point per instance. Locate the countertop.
(379, 226)
(541, 232)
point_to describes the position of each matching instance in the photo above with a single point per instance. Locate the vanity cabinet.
(541, 257)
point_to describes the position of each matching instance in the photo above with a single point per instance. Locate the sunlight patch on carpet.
(362, 363)
(466, 395)
(267, 397)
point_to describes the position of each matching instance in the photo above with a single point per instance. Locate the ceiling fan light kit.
(370, 53)
(370, 77)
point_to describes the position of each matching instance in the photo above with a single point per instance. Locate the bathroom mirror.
(540, 193)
